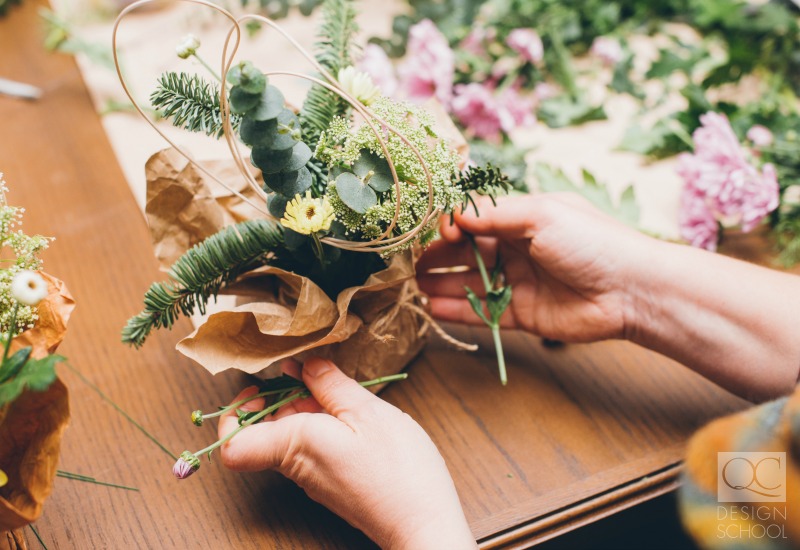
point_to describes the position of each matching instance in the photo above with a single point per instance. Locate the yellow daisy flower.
(307, 215)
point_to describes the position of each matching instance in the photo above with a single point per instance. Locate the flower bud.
(188, 47)
(197, 418)
(186, 465)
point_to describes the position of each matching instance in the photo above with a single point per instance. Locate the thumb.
(512, 218)
(337, 393)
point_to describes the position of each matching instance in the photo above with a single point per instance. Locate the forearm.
(735, 323)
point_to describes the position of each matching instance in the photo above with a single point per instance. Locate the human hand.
(571, 266)
(359, 456)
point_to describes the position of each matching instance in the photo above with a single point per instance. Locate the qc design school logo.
(751, 477)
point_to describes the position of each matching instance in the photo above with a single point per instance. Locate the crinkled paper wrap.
(369, 331)
(31, 426)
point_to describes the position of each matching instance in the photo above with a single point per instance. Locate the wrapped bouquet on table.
(318, 242)
(34, 404)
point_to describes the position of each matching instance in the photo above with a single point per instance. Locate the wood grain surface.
(580, 431)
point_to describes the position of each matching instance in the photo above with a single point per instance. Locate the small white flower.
(358, 84)
(608, 50)
(188, 47)
(28, 288)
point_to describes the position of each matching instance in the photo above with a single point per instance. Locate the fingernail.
(316, 367)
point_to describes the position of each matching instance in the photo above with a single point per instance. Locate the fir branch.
(191, 103)
(482, 180)
(201, 272)
(333, 51)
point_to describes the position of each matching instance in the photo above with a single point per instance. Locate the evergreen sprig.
(333, 52)
(191, 103)
(201, 272)
(482, 180)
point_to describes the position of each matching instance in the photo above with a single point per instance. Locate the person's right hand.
(570, 266)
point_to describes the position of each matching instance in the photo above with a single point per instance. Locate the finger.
(292, 367)
(337, 393)
(451, 285)
(265, 445)
(442, 254)
(459, 310)
(307, 405)
(512, 218)
(449, 231)
(230, 420)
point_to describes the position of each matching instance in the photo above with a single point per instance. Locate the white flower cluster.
(19, 253)
(341, 144)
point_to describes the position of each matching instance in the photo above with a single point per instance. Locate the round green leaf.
(381, 178)
(290, 184)
(301, 154)
(242, 101)
(354, 193)
(258, 134)
(269, 104)
(245, 74)
(270, 161)
(287, 132)
(276, 204)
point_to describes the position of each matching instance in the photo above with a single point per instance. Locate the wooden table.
(579, 433)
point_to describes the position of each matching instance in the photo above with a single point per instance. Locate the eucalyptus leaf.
(242, 101)
(291, 184)
(258, 133)
(300, 155)
(381, 178)
(355, 193)
(276, 204)
(269, 104)
(247, 77)
(270, 161)
(287, 132)
(13, 364)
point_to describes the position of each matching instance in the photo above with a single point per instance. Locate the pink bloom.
(526, 42)
(475, 107)
(734, 191)
(429, 67)
(376, 63)
(607, 49)
(760, 136)
(698, 226)
(186, 465)
(474, 42)
(486, 114)
(516, 110)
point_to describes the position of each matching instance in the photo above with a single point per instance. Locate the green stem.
(120, 411)
(38, 537)
(87, 479)
(501, 358)
(318, 249)
(11, 327)
(481, 266)
(277, 405)
(208, 67)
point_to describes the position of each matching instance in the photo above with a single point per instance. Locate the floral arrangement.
(319, 244)
(34, 310)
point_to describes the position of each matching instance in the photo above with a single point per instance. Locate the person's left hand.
(361, 457)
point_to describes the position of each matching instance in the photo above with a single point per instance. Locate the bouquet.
(34, 410)
(318, 244)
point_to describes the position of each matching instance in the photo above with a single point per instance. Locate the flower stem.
(501, 358)
(318, 249)
(87, 479)
(10, 333)
(207, 67)
(481, 266)
(285, 401)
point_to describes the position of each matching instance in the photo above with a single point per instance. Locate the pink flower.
(526, 42)
(475, 107)
(698, 226)
(516, 110)
(186, 465)
(607, 49)
(474, 42)
(760, 136)
(429, 67)
(486, 114)
(720, 174)
(376, 63)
